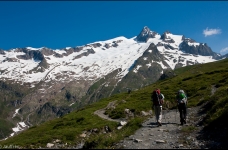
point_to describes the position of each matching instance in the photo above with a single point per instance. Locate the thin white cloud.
(209, 32)
(224, 51)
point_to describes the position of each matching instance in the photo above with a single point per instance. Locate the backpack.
(181, 97)
(162, 97)
(157, 97)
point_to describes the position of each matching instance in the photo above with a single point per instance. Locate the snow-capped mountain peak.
(146, 34)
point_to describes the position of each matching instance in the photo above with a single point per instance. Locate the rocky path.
(168, 136)
(101, 112)
(171, 135)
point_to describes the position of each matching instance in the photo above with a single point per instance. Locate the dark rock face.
(21, 50)
(47, 52)
(160, 44)
(188, 40)
(201, 49)
(107, 46)
(205, 50)
(114, 45)
(29, 54)
(89, 51)
(119, 41)
(165, 38)
(95, 45)
(167, 46)
(58, 55)
(43, 64)
(37, 55)
(164, 35)
(145, 35)
(169, 41)
(78, 49)
(10, 60)
(2, 52)
(68, 51)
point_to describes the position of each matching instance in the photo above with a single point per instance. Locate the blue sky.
(60, 24)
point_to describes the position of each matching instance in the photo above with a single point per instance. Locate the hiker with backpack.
(182, 101)
(128, 90)
(158, 99)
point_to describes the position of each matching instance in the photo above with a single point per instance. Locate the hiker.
(128, 90)
(182, 101)
(158, 99)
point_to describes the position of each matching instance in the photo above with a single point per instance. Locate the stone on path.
(137, 140)
(49, 145)
(159, 141)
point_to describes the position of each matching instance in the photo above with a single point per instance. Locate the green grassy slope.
(10, 96)
(202, 83)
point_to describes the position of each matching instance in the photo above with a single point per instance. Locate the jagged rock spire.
(164, 35)
(166, 38)
(145, 34)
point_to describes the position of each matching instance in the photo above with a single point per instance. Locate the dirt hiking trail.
(171, 135)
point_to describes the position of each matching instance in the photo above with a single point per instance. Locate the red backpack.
(156, 97)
